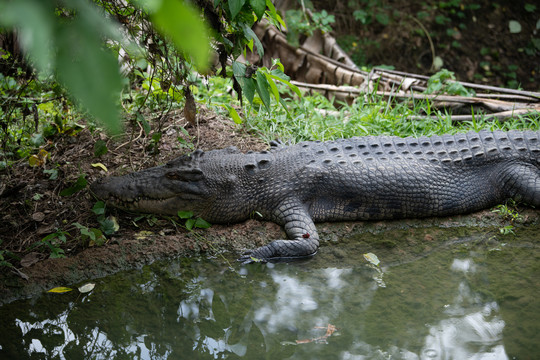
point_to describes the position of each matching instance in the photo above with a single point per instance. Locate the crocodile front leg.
(299, 228)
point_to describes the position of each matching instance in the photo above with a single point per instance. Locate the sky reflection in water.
(441, 306)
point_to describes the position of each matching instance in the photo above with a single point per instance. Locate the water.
(474, 295)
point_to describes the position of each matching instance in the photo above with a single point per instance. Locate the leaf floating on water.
(372, 258)
(87, 288)
(60, 290)
(330, 329)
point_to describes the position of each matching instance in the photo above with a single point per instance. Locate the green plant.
(91, 236)
(316, 118)
(444, 82)
(150, 219)
(262, 82)
(54, 242)
(74, 43)
(79, 184)
(508, 212)
(507, 230)
(107, 225)
(299, 24)
(3, 255)
(192, 222)
(322, 21)
(366, 11)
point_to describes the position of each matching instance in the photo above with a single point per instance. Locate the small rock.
(30, 259)
(38, 216)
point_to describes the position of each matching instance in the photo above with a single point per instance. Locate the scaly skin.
(363, 178)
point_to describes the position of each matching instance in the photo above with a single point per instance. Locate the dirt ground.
(28, 218)
(471, 37)
(31, 207)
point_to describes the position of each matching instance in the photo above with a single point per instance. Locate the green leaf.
(290, 85)
(239, 70)
(85, 230)
(90, 74)
(249, 87)
(185, 214)
(99, 208)
(79, 185)
(235, 6)
(109, 225)
(100, 148)
(202, 224)
(189, 224)
(514, 26)
(530, 7)
(262, 90)
(250, 34)
(280, 69)
(34, 21)
(259, 7)
(141, 120)
(183, 25)
(273, 86)
(382, 18)
(234, 114)
(274, 15)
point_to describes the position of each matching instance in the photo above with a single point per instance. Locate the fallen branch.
(493, 105)
(501, 116)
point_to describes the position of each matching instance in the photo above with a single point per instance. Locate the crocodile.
(361, 178)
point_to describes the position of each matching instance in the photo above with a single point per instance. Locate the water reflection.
(464, 334)
(297, 311)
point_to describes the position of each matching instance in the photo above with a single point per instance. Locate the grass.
(316, 118)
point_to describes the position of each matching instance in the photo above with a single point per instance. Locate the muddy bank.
(134, 249)
(32, 208)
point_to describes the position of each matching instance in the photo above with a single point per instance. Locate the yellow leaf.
(116, 226)
(34, 161)
(87, 288)
(60, 289)
(43, 154)
(372, 258)
(141, 235)
(100, 165)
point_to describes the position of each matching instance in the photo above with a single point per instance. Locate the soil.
(472, 38)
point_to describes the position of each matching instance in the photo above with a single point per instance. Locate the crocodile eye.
(173, 175)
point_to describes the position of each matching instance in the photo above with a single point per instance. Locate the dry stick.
(503, 115)
(503, 109)
(492, 104)
(276, 35)
(281, 39)
(432, 47)
(531, 94)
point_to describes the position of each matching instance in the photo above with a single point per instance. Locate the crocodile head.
(167, 189)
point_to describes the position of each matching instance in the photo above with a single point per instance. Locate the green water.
(472, 295)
